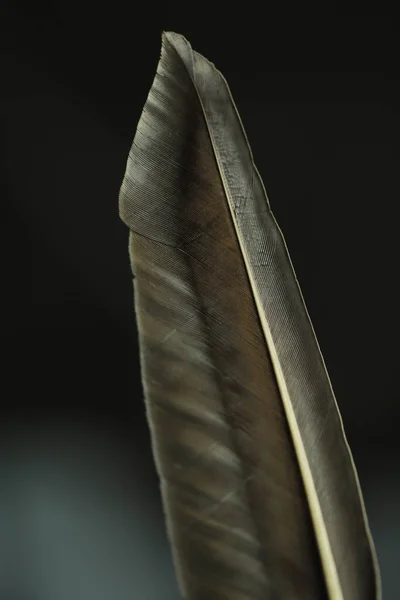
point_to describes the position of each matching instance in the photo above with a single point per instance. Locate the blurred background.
(80, 511)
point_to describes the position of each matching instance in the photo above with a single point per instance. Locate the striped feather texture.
(260, 492)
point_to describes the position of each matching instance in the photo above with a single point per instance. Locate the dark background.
(80, 514)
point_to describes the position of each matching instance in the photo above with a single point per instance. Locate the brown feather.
(259, 488)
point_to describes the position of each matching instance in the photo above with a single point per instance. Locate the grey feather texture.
(260, 492)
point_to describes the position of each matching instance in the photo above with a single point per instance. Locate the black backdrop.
(79, 503)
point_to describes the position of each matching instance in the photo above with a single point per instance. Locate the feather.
(260, 492)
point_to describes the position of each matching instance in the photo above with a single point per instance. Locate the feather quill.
(260, 492)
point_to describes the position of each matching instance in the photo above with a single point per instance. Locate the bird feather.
(260, 491)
